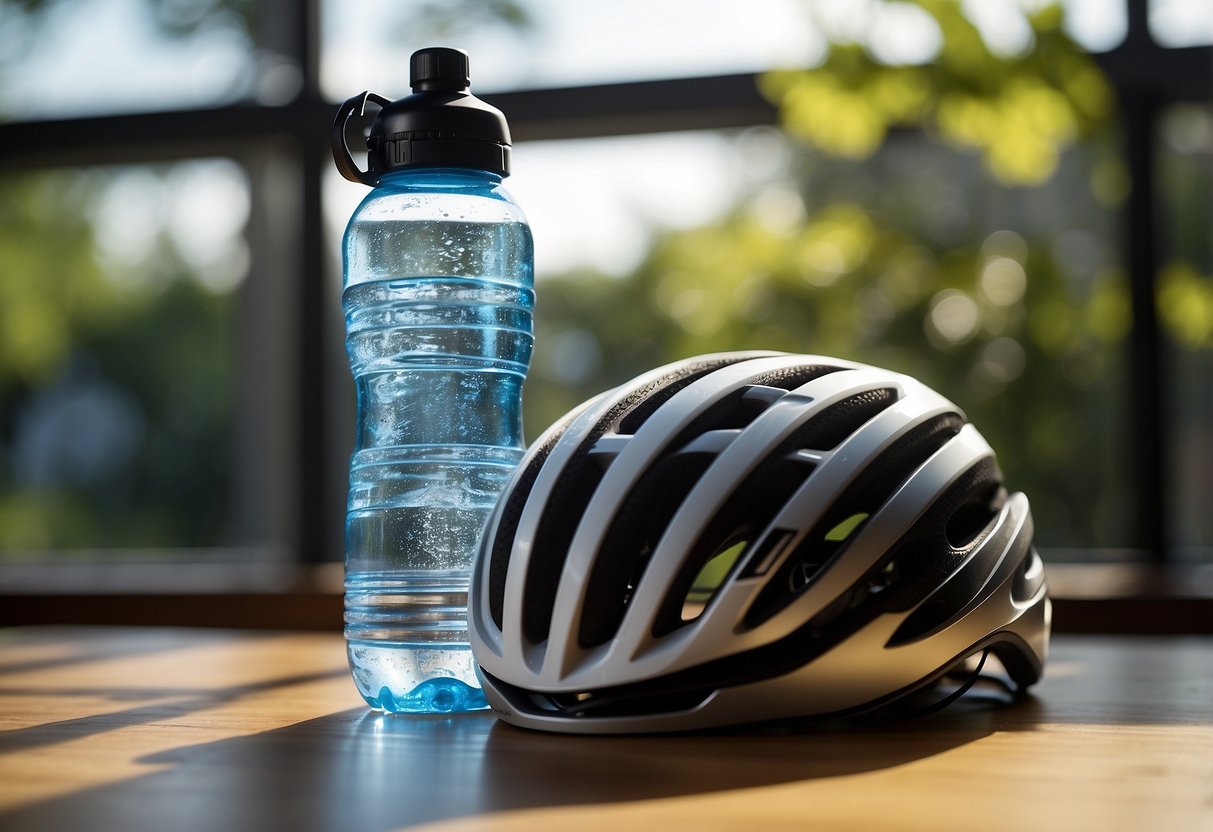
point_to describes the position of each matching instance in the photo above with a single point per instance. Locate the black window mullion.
(299, 40)
(1149, 382)
(1147, 452)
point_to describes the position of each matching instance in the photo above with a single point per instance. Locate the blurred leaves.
(54, 289)
(1185, 305)
(995, 324)
(115, 394)
(1020, 112)
(894, 257)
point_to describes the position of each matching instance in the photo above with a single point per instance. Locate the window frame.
(290, 144)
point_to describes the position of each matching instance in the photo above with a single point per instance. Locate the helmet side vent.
(579, 480)
(756, 501)
(846, 518)
(948, 585)
(627, 547)
(635, 410)
(507, 528)
(731, 532)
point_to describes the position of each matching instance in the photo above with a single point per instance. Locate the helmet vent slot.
(710, 578)
(739, 408)
(565, 506)
(734, 411)
(743, 406)
(749, 510)
(643, 403)
(550, 550)
(827, 429)
(843, 522)
(507, 527)
(634, 534)
(793, 377)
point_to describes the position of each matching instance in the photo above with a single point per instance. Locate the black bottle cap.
(440, 125)
(439, 69)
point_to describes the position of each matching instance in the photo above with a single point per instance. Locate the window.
(172, 376)
(121, 358)
(104, 57)
(1185, 299)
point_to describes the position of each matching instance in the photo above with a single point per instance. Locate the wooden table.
(148, 729)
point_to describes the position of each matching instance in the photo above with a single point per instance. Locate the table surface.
(145, 729)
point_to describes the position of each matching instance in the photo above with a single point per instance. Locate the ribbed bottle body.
(438, 297)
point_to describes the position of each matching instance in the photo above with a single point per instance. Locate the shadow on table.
(162, 704)
(356, 770)
(92, 645)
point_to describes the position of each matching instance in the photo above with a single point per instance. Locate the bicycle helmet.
(749, 536)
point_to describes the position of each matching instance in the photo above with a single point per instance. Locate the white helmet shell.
(750, 536)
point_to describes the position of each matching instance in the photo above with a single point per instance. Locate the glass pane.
(992, 275)
(118, 362)
(548, 43)
(1097, 25)
(1185, 301)
(1181, 22)
(634, 188)
(62, 58)
(903, 248)
(1009, 301)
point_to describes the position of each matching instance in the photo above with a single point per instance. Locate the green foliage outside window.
(116, 388)
(979, 307)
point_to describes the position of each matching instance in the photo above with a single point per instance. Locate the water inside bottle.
(439, 363)
(406, 638)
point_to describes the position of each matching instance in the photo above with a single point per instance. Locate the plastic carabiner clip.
(341, 151)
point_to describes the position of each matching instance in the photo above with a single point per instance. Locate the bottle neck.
(452, 178)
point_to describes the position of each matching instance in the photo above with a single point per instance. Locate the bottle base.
(416, 679)
(433, 696)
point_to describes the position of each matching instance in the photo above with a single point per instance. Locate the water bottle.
(438, 289)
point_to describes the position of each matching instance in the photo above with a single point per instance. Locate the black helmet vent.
(634, 534)
(507, 527)
(860, 500)
(580, 478)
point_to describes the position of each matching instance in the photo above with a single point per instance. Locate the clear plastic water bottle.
(438, 293)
